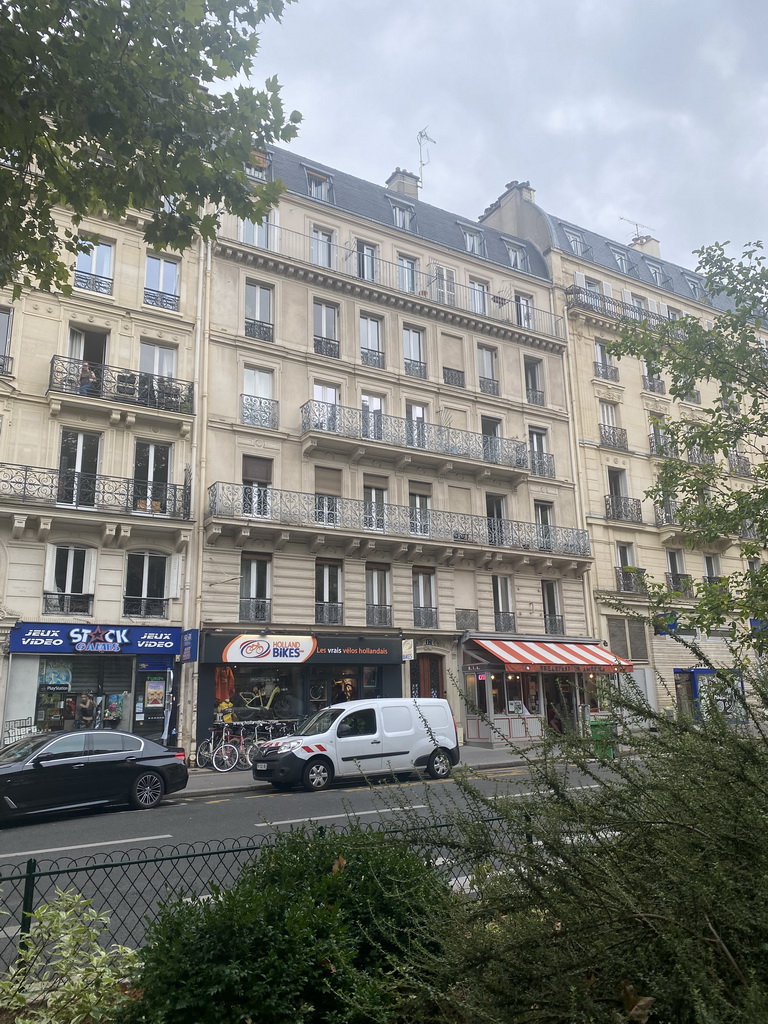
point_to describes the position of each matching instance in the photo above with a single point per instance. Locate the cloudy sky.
(653, 110)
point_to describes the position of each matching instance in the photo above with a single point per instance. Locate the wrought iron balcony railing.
(680, 583)
(667, 514)
(294, 508)
(663, 445)
(739, 465)
(714, 580)
(329, 613)
(372, 357)
(466, 618)
(255, 609)
(93, 282)
(455, 377)
(67, 604)
(424, 618)
(163, 300)
(504, 622)
(613, 437)
(31, 485)
(6, 366)
(607, 371)
(534, 397)
(700, 458)
(542, 464)
(327, 347)
(260, 412)
(146, 607)
(415, 368)
(654, 384)
(378, 614)
(554, 625)
(429, 286)
(118, 384)
(693, 397)
(259, 330)
(618, 506)
(583, 298)
(489, 385)
(397, 431)
(630, 580)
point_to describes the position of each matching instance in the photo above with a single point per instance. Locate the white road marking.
(328, 817)
(83, 846)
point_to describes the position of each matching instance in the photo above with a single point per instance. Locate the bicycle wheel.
(204, 754)
(253, 753)
(225, 757)
(243, 761)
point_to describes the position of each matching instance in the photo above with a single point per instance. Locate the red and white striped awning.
(553, 656)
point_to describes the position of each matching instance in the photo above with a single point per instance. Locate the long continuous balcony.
(430, 285)
(613, 437)
(399, 432)
(326, 512)
(119, 384)
(583, 298)
(53, 488)
(630, 580)
(259, 412)
(618, 506)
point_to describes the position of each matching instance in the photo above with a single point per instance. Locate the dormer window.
(473, 241)
(318, 186)
(695, 287)
(622, 260)
(403, 216)
(656, 273)
(576, 242)
(518, 257)
(256, 169)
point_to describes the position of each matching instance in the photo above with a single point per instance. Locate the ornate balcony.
(630, 580)
(93, 283)
(341, 422)
(146, 607)
(163, 300)
(534, 397)
(554, 625)
(67, 604)
(606, 371)
(583, 298)
(255, 609)
(372, 357)
(466, 618)
(259, 412)
(425, 618)
(53, 488)
(618, 506)
(666, 514)
(6, 366)
(259, 330)
(489, 385)
(118, 384)
(271, 508)
(327, 347)
(378, 615)
(680, 583)
(713, 580)
(700, 458)
(421, 287)
(693, 397)
(542, 464)
(662, 445)
(613, 437)
(654, 384)
(329, 613)
(415, 368)
(454, 377)
(739, 465)
(504, 622)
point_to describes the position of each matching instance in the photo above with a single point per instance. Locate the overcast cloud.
(654, 110)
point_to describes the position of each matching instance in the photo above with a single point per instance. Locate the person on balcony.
(87, 379)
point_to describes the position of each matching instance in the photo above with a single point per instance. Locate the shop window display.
(85, 693)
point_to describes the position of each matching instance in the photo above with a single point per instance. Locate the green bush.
(314, 931)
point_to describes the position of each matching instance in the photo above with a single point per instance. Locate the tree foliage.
(721, 501)
(112, 104)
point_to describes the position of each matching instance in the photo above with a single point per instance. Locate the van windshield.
(320, 722)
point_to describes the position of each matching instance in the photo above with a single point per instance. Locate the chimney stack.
(646, 244)
(404, 182)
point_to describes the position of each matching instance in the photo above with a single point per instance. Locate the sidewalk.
(207, 782)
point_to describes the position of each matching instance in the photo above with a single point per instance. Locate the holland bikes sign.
(66, 638)
(254, 648)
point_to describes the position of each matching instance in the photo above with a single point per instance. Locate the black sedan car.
(58, 771)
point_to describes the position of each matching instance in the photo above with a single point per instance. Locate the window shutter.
(607, 290)
(369, 480)
(328, 481)
(626, 296)
(420, 487)
(173, 576)
(617, 636)
(652, 307)
(49, 584)
(257, 470)
(663, 309)
(579, 280)
(89, 571)
(638, 641)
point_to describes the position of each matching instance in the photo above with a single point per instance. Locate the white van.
(363, 737)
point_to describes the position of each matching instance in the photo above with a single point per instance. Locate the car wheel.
(317, 775)
(439, 764)
(147, 791)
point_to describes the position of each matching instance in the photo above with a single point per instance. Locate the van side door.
(400, 726)
(358, 742)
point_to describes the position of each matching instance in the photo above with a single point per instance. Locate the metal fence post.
(28, 901)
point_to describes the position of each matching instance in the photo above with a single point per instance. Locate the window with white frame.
(70, 579)
(622, 260)
(424, 610)
(156, 359)
(325, 318)
(93, 268)
(406, 273)
(322, 247)
(602, 355)
(473, 241)
(148, 584)
(378, 610)
(6, 319)
(524, 309)
(258, 407)
(518, 257)
(478, 297)
(607, 413)
(576, 242)
(329, 605)
(656, 272)
(444, 285)
(258, 311)
(419, 499)
(413, 349)
(550, 600)
(255, 588)
(261, 235)
(486, 364)
(161, 286)
(371, 350)
(403, 216)
(367, 260)
(257, 487)
(534, 386)
(712, 568)
(374, 502)
(502, 601)
(318, 186)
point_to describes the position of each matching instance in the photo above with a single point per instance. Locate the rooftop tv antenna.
(637, 225)
(423, 138)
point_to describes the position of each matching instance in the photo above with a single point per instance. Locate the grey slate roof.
(374, 203)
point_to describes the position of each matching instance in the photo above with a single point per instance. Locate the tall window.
(622, 260)
(78, 466)
(374, 502)
(366, 261)
(327, 495)
(262, 235)
(258, 311)
(406, 274)
(478, 297)
(161, 287)
(419, 502)
(534, 390)
(5, 333)
(257, 487)
(541, 461)
(378, 610)
(524, 310)
(444, 285)
(151, 473)
(486, 369)
(255, 588)
(712, 568)
(325, 320)
(413, 352)
(416, 425)
(325, 413)
(145, 585)
(69, 580)
(543, 514)
(93, 268)
(502, 604)
(322, 247)
(550, 599)
(424, 606)
(329, 608)
(372, 408)
(371, 353)
(258, 407)
(607, 413)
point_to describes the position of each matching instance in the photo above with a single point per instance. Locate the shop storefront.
(697, 689)
(72, 676)
(287, 677)
(518, 687)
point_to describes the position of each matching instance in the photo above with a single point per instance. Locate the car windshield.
(21, 749)
(320, 722)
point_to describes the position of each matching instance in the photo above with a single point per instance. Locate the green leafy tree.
(112, 104)
(717, 479)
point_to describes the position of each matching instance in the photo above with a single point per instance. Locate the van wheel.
(317, 775)
(439, 764)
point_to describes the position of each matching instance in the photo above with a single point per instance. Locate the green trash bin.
(602, 739)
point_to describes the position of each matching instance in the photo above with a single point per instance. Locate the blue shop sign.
(71, 638)
(189, 644)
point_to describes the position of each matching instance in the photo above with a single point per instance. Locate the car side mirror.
(41, 758)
